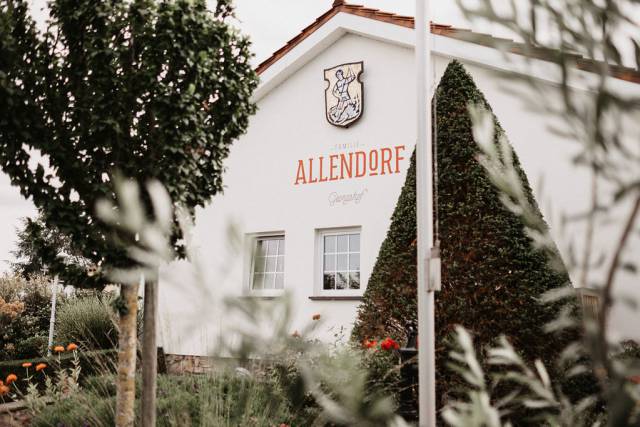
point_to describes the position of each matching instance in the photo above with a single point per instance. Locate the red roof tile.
(623, 73)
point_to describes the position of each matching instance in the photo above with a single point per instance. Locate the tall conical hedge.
(491, 275)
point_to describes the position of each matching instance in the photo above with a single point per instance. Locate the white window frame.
(319, 264)
(252, 241)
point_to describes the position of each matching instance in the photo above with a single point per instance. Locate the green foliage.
(154, 90)
(491, 275)
(383, 372)
(536, 399)
(88, 321)
(37, 243)
(218, 399)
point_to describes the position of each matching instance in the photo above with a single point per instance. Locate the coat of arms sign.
(344, 95)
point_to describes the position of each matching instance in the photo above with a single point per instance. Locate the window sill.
(273, 295)
(336, 298)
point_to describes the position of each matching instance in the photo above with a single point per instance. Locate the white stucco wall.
(261, 195)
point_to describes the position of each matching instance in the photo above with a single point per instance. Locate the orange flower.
(27, 364)
(3, 390)
(40, 366)
(316, 316)
(58, 349)
(11, 378)
(369, 344)
(72, 347)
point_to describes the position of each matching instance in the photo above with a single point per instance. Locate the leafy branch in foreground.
(535, 393)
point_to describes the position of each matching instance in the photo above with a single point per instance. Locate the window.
(340, 261)
(267, 271)
(590, 303)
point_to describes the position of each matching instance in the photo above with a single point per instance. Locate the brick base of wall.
(188, 364)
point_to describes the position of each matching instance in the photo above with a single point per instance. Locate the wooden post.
(149, 354)
(127, 346)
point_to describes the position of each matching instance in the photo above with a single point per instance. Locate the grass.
(217, 399)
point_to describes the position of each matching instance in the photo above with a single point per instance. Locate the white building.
(300, 189)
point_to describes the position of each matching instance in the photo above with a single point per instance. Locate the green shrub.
(32, 346)
(491, 275)
(88, 321)
(220, 399)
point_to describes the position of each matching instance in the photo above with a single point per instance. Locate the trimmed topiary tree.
(491, 274)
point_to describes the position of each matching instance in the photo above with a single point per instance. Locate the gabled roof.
(623, 73)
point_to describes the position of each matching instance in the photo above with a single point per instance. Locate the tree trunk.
(149, 354)
(127, 345)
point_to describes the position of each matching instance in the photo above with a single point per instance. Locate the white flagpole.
(52, 319)
(424, 200)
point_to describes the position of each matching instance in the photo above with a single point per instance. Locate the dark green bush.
(32, 346)
(491, 275)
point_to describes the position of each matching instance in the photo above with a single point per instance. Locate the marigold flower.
(316, 316)
(3, 390)
(40, 366)
(58, 349)
(72, 347)
(27, 364)
(11, 378)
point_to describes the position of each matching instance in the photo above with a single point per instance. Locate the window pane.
(343, 242)
(281, 247)
(354, 262)
(257, 281)
(329, 244)
(354, 243)
(341, 280)
(271, 265)
(268, 280)
(279, 281)
(280, 263)
(261, 247)
(330, 262)
(354, 280)
(259, 265)
(329, 281)
(273, 247)
(342, 262)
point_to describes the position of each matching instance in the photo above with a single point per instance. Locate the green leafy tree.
(151, 89)
(492, 277)
(37, 244)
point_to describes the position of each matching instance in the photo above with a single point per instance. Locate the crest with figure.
(344, 95)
